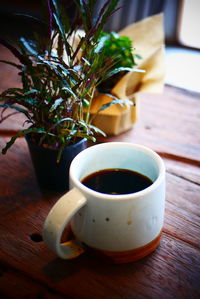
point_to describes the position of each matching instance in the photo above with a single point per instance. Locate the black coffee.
(117, 181)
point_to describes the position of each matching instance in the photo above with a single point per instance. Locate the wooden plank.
(182, 210)
(14, 284)
(168, 123)
(173, 136)
(169, 271)
(181, 204)
(172, 269)
(24, 208)
(182, 168)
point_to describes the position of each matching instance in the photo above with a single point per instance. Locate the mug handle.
(57, 220)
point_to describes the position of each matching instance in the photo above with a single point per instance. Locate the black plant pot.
(49, 173)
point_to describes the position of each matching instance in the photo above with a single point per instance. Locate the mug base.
(121, 257)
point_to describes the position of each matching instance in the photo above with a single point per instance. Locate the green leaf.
(92, 138)
(31, 92)
(122, 69)
(19, 134)
(97, 130)
(38, 20)
(107, 10)
(138, 56)
(63, 120)
(85, 11)
(56, 104)
(19, 109)
(86, 61)
(29, 47)
(70, 91)
(62, 32)
(101, 44)
(86, 103)
(115, 101)
(12, 91)
(41, 59)
(61, 15)
(83, 124)
(29, 102)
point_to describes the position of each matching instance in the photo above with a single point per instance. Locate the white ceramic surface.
(115, 223)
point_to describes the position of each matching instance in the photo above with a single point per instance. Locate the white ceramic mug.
(122, 227)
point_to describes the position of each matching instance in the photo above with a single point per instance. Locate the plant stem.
(91, 95)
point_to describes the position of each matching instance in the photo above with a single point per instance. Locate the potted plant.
(58, 84)
(116, 119)
(114, 43)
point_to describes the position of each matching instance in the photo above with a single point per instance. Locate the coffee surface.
(116, 181)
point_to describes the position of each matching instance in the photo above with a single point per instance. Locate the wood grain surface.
(169, 124)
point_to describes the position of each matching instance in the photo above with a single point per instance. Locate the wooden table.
(169, 124)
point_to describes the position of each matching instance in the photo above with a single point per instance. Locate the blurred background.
(181, 24)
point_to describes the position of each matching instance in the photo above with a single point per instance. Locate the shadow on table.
(59, 269)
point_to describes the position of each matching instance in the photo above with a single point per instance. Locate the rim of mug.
(91, 192)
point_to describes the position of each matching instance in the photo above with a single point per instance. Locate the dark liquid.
(116, 181)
